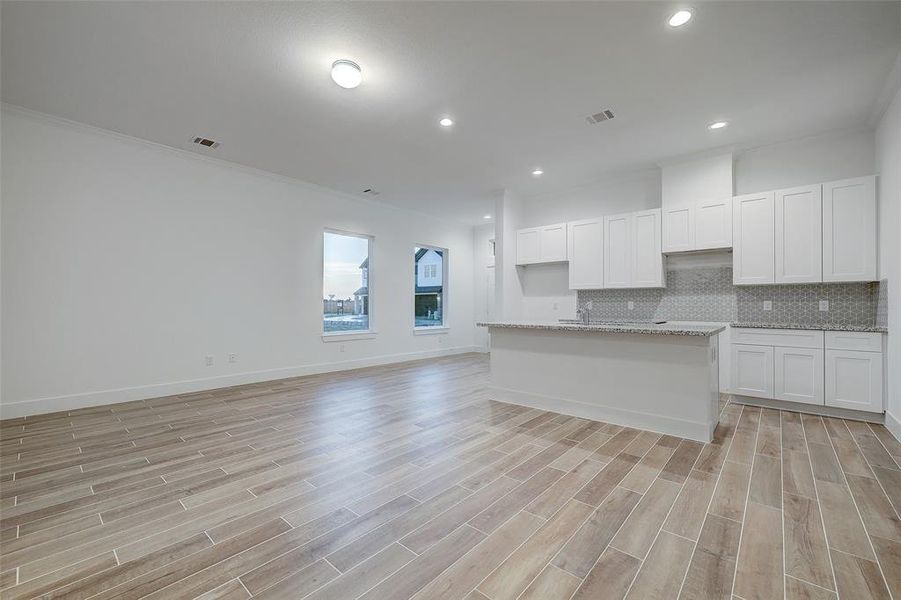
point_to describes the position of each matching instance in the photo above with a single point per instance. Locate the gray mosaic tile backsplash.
(707, 294)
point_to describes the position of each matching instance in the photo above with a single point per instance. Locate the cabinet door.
(586, 254)
(854, 380)
(618, 251)
(752, 370)
(647, 258)
(552, 243)
(713, 224)
(527, 244)
(678, 229)
(753, 253)
(799, 374)
(849, 230)
(799, 235)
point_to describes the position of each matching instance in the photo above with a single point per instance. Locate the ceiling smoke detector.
(201, 141)
(604, 115)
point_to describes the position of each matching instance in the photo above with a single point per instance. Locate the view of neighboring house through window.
(429, 266)
(345, 283)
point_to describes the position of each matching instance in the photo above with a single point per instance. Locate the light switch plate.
(824, 306)
(767, 305)
(631, 305)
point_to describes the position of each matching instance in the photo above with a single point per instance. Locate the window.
(430, 270)
(346, 299)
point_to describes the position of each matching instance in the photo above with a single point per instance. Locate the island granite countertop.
(674, 328)
(811, 326)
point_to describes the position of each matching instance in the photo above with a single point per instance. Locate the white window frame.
(445, 325)
(361, 334)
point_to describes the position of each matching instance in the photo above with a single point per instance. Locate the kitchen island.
(661, 377)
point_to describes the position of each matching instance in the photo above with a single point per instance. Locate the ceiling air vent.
(371, 192)
(206, 142)
(604, 115)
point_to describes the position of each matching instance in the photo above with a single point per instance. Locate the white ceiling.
(519, 79)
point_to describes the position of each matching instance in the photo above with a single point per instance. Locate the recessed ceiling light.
(446, 122)
(717, 125)
(679, 18)
(487, 217)
(537, 172)
(347, 73)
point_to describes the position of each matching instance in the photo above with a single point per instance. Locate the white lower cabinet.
(854, 380)
(839, 369)
(799, 374)
(752, 370)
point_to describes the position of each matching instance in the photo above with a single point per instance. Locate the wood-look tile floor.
(407, 481)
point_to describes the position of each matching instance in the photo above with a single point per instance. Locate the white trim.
(39, 406)
(341, 336)
(893, 425)
(627, 418)
(430, 330)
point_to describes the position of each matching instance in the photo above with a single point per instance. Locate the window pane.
(428, 269)
(345, 283)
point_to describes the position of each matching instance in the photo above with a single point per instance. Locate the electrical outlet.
(824, 306)
(588, 305)
(232, 357)
(631, 305)
(556, 306)
(341, 348)
(209, 360)
(767, 305)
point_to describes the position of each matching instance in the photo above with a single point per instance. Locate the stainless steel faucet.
(582, 315)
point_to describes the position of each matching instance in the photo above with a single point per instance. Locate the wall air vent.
(604, 115)
(371, 192)
(206, 142)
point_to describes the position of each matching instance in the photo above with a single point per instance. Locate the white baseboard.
(893, 425)
(627, 418)
(39, 406)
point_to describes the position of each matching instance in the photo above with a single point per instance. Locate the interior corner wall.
(125, 263)
(888, 157)
(483, 280)
(508, 211)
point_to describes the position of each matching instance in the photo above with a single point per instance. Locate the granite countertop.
(673, 328)
(811, 326)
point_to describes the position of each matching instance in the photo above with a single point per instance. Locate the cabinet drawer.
(792, 338)
(854, 340)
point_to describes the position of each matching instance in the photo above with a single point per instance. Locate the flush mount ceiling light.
(446, 122)
(717, 125)
(347, 73)
(679, 18)
(487, 217)
(537, 172)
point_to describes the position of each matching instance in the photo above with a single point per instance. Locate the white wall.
(619, 193)
(509, 216)
(125, 263)
(888, 156)
(483, 280)
(828, 157)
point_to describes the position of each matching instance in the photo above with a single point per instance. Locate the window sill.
(343, 336)
(430, 330)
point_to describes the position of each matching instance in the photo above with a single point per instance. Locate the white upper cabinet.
(618, 251)
(586, 254)
(799, 235)
(753, 258)
(541, 244)
(679, 229)
(713, 224)
(849, 230)
(527, 246)
(647, 258)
